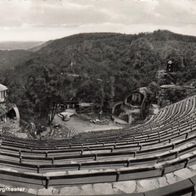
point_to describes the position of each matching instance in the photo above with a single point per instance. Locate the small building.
(3, 93)
(7, 110)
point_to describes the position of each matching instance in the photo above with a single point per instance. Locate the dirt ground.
(66, 129)
(78, 125)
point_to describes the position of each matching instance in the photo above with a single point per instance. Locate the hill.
(106, 64)
(15, 53)
(39, 46)
(11, 58)
(112, 52)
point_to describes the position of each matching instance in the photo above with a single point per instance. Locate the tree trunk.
(52, 114)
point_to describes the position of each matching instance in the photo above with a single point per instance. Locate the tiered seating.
(157, 148)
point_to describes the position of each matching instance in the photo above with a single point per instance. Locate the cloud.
(50, 19)
(177, 13)
(65, 13)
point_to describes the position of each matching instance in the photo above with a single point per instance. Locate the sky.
(42, 20)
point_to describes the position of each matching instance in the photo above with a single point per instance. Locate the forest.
(93, 67)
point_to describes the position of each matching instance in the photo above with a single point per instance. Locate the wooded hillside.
(87, 66)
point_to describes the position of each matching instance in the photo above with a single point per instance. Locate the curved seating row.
(162, 145)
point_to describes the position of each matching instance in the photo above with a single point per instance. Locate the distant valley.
(17, 45)
(15, 53)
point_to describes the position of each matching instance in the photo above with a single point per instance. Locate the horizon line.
(185, 34)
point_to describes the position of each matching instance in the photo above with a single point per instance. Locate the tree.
(46, 87)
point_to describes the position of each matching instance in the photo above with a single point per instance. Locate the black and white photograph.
(97, 97)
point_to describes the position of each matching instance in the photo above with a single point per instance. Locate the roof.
(3, 88)
(84, 104)
(167, 86)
